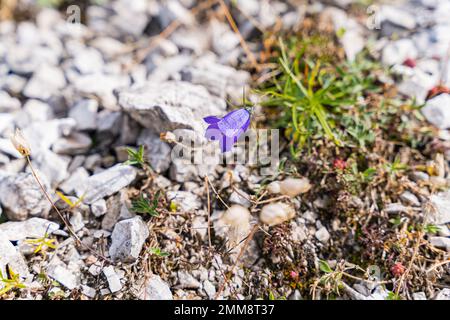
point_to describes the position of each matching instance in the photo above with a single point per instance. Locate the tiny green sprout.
(11, 281)
(395, 167)
(431, 228)
(393, 296)
(42, 244)
(369, 174)
(135, 157)
(324, 266)
(143, 205)
(158, 252)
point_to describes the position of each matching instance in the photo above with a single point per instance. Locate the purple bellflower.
(227, 129)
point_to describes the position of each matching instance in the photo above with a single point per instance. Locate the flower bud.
(20, 143)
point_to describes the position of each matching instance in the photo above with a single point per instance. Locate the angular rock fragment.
(37, 110)
(46, 82)
(100, 85)
(88, 60)
(75, 180)
(128, 237)
(43, 134)
(156, 151)
(185, 201)
(410, 198)
(113, 208)
(170, 105)
(113, 279)
(155, 289)
(441, 202)
(397, 16)
(437, 111)
(209, 289)
(187, 281)
(99, 208)
(21, 196)
(33, 228)
(220, 80)
(8, 103)
(88, 291)
(66, 274)
(106, 183)
(240, 197)
(224, 39)
(9, 255)
(205, 155)
(441, 242)
(76, 143)
(322, 235)
(85, 114)
(53, 166)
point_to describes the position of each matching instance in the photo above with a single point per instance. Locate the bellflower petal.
(211, 119)
(227, 129)
(213, 132)
(227, 143)
(233, 122)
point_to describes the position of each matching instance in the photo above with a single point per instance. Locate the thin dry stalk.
(216, 193)
(241, 253)
(61, 216)
(244, 45)
(419, 236)
(272, 200)
(437, 265)
(209, 212)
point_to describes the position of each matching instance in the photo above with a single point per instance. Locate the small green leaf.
(393, 296)
(432, 229)
(158, 252)
(324, 266)
(135, 157)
